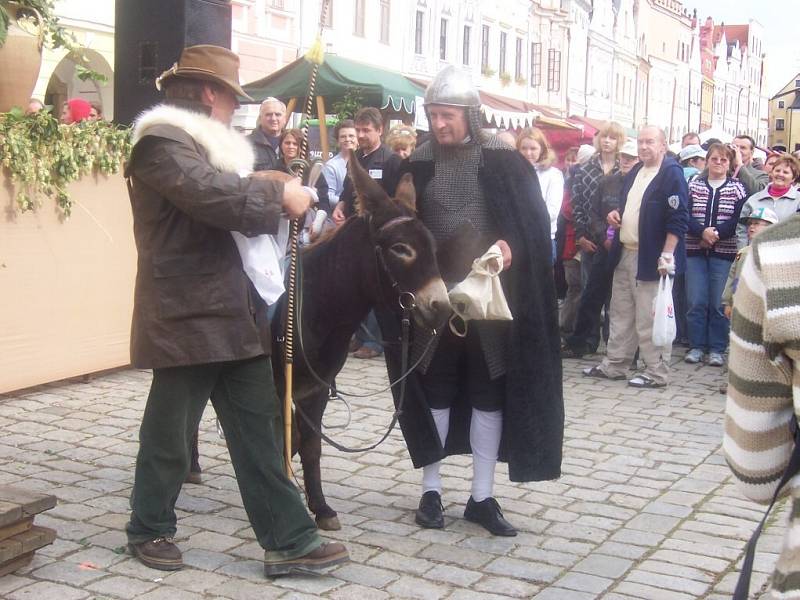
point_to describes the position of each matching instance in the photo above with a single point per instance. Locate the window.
(465, 49)
(358, 28)
(553, 70)
(780, 125)
(328, 21)
(518, 60)
(443, 40)
(485, 48)
(797, 83)
(277, 4)
(418, 32)
(385, 11)
(781, 104)
(536, 64)
(502, 65)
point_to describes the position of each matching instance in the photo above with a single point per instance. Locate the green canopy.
(337, 75)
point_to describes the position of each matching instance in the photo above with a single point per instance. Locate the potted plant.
(25, 26)
(487, 71)
(505, 78)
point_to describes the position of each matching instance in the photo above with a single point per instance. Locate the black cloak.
(533, 415)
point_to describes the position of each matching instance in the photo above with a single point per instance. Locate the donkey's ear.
(370, 197)
(406, 195)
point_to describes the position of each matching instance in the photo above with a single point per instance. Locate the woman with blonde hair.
(533, 145)
(402, 140)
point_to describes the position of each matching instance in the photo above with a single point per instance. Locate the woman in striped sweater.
(764, 382)
(715, 201)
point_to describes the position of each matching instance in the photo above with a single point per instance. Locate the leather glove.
(666, 263)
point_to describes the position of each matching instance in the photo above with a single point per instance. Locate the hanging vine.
(42, 156)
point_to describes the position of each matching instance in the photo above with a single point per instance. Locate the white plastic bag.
(664, 314)
(480, 296)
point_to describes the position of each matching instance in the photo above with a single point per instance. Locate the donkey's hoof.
(329, 523)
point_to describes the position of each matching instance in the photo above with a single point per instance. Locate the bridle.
(407, 303)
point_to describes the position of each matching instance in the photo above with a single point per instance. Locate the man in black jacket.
(379, 161)
(266, 137)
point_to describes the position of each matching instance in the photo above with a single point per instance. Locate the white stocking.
(431, 480)
(484, 438)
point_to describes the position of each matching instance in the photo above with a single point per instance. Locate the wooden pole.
(323, 128)
(290, 106)
(287, 420)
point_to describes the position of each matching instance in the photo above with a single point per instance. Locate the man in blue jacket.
(651, 225)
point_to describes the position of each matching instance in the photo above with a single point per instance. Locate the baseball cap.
(629, 148)
(585, 152)
(691, 151)
(762, 213)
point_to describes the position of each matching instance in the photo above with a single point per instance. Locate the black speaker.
(149, 36)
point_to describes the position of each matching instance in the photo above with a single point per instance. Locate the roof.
(737, 33)
(338, 75)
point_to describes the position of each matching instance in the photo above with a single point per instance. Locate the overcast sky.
(780, 20)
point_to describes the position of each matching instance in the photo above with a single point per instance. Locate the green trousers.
(243, 395)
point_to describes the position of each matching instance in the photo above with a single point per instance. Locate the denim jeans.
(369, 333)
(586, 334)
(705, 280)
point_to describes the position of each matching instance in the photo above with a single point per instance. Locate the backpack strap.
(742, 591)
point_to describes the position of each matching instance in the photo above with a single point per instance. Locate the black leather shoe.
(429, 514)
(488, 514)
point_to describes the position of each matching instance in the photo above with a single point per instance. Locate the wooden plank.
(10, 549)
(323, 127)
(27, 541)
(10, 512)
(15, 528)
(15, 564)
(31, 503)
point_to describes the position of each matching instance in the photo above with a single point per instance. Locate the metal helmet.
(452, 87)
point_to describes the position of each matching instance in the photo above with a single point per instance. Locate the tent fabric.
(380, 88)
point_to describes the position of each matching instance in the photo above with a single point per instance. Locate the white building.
(600, 61)
(577, 53)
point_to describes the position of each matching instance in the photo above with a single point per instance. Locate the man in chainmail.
(495, 393)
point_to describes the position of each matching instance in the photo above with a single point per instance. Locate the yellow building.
(784, 116)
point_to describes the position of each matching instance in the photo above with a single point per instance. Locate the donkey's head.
(405, 248)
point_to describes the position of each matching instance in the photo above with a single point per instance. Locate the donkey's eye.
(403, 251)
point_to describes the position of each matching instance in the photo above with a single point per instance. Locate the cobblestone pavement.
(645, 509)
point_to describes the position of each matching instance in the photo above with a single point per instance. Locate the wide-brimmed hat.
(210, 63)
(761, 213)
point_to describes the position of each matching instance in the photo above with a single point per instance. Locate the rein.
(407, 303)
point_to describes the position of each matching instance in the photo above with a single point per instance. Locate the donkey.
(367, 262)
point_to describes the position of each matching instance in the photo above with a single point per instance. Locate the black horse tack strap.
(742, 591)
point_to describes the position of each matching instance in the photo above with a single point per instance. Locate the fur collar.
(227, 150)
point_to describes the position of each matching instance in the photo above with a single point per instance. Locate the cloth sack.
(664, 327)
(480, 295)
(262, 260)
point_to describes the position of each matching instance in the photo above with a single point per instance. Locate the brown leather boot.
(324, 556)
(160, 553)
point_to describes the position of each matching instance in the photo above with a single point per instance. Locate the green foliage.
(505, 78)
(42, 156)
(55, 36)
(348, 106)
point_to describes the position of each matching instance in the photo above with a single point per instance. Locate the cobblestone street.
(645, 508)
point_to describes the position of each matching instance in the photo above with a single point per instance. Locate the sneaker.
(366, 352)
(429, 514)
(693, 356)
(715, 359)
(323, 557)
(598, 373)
(488, 514)
(160, 553)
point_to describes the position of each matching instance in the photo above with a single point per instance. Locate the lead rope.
(315, 57)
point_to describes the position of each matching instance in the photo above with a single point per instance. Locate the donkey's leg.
(310, 453)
